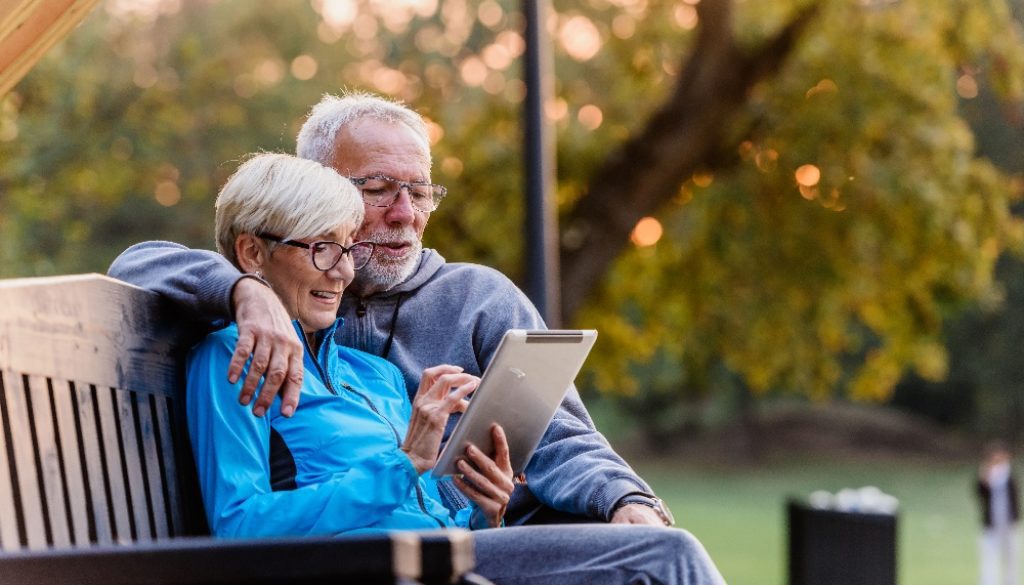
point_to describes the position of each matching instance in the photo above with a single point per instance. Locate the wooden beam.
(13, 13)
(30, 28)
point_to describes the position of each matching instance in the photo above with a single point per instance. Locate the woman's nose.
(344, 270)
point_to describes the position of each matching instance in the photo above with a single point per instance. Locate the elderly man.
(407, 305)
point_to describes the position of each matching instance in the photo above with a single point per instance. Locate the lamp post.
(541, 230)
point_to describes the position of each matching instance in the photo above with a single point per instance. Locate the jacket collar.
(321, 335)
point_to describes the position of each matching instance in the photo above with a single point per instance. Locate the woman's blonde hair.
(289, 197)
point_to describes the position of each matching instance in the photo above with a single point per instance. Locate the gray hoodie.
(445, 313)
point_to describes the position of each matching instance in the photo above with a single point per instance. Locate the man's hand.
(637, 514)
(266, 333)
(435, 401)
(488, 482)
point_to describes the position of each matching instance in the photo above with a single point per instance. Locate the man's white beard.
(383, 272)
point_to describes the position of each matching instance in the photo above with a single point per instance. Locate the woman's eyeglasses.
(326, 254)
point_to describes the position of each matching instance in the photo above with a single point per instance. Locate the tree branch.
(686, 134)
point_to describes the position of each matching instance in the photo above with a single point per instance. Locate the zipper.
(319, 368)
(394, 432)
(398, 443)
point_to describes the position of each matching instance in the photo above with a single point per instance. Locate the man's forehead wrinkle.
(370, 147)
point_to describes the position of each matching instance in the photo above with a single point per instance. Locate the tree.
(822, 206)
(856, 219)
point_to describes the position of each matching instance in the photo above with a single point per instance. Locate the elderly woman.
(290, 222)
(353, 457)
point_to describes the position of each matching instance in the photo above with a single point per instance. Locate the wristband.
(652, 502)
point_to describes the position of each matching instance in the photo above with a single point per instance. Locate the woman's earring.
(259, 275)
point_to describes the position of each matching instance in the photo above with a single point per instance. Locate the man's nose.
(401, 211)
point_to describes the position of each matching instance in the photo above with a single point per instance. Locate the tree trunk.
(685, 135)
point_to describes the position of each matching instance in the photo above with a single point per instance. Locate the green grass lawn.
(739, 513)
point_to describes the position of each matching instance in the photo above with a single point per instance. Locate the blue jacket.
(349, 473)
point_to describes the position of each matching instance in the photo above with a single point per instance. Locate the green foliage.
(126, 131)
(984, 391)
(843, 281)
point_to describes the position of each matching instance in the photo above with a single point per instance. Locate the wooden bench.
(97, 483)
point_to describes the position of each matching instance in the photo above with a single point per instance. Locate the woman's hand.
(488, 482)
(435, 401)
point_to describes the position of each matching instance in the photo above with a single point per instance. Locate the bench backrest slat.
(163, 417)
(64, 404)
(27, 495)
(92, 445)
(114, 474)
(49, 461)
(132, 464)
(93, 468)
(9, 535)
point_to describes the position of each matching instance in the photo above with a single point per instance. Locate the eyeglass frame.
(439, 190)
(345, 250)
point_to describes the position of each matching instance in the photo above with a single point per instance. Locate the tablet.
(521, 389)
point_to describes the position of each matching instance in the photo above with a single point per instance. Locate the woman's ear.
(250, 252)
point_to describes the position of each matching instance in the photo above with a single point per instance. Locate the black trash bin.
(831, 547)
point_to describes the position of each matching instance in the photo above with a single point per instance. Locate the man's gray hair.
(319, 133)
(285, 196)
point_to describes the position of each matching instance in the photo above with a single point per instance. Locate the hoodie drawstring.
(391, 331)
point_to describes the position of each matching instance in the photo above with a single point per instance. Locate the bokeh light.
(967, 86)
(304, 67)
(473, 71)
(703, 179)
(647, 232)
(338, 14)
(167, 193)
(825, 86)
(434, 131)
(685, 16)
(590, 116)
(556, 109)
(580, 38)
(269, 72)
(490, 14)
(512, 41)
(389, 81)
(497, 56)
(451, 166)
(623, 26)
(808, 175)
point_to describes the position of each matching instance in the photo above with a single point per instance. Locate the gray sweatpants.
(593, 554)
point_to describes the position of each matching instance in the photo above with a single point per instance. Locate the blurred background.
(795, 223)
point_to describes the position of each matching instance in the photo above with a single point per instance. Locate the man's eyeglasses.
(326, 254)
(383, 191)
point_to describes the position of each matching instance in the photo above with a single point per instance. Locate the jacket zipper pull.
(361, 309)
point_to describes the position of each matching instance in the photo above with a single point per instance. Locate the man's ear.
(250, 252)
